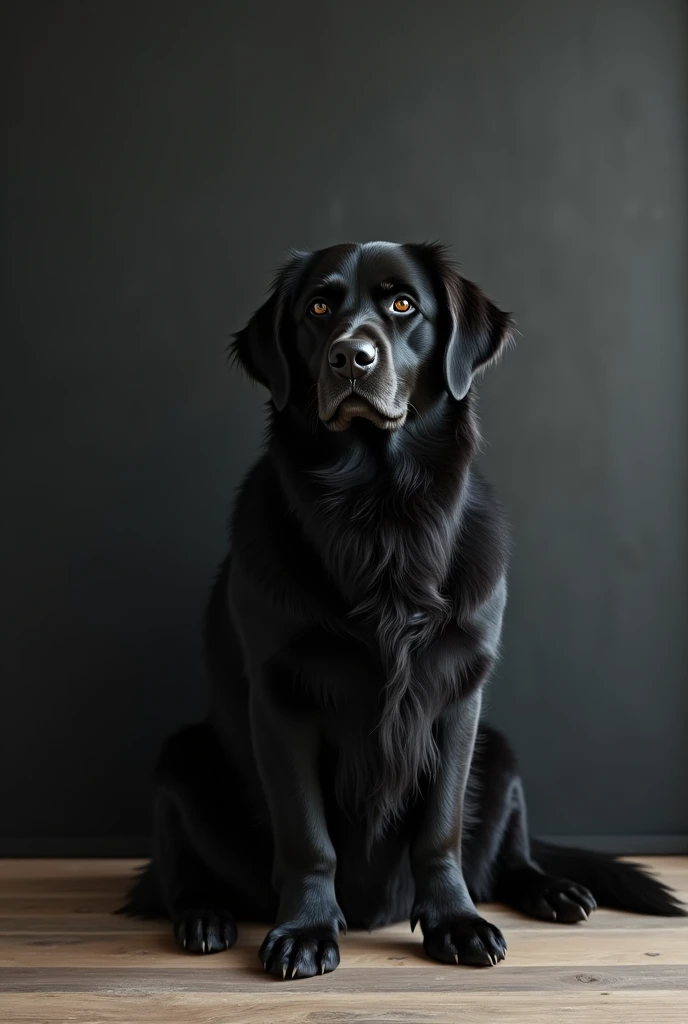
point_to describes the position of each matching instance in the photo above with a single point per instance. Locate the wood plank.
(114, 886)
(289, 1006)
(80, 920)
(57, 904)
(78, 923)
(537, 947)
(655, 977)
(75, 867)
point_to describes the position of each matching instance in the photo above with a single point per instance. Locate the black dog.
(341, 773)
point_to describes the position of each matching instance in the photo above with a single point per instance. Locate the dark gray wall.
(161, 157)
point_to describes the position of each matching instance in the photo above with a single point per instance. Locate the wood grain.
(573, 946)
(353, 1008)
(64, 956)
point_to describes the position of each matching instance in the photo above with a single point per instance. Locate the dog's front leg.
(304, 940)
(453, 931)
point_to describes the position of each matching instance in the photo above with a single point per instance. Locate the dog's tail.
(144, 896)
(613, 883)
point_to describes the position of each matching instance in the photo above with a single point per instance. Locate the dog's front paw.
(294, 951)
(205, 931)
(464, 940)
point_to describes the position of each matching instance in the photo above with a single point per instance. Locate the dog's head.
(378, 329)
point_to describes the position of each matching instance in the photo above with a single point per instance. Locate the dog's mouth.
(357, 407)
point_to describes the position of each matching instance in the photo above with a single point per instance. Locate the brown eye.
(320, 308)
(402, 305)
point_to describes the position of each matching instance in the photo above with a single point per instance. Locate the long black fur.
(341, 772)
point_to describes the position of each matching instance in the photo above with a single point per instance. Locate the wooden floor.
(65, 957)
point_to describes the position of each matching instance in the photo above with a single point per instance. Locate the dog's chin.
(358, 408)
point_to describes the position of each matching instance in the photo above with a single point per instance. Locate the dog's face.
(365, 325)
(378, 330)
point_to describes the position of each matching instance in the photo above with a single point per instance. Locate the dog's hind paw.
(556, 899)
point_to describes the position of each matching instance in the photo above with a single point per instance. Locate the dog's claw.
(322, 968)
(456, 957)
(284, 973)
(203, 946)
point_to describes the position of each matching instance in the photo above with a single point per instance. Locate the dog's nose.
(352, 357)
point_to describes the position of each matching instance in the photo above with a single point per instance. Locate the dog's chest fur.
(392, 547)
(388, 562)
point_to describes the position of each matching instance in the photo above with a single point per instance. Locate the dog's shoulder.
(478, 574)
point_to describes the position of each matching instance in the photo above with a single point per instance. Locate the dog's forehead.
(335, 261)
(369, 264)
(382, 262)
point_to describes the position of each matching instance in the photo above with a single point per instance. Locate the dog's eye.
(319, 308)
(402, 305)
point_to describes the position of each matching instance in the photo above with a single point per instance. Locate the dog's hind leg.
(194, 896)
(497, 850)
(209, 859)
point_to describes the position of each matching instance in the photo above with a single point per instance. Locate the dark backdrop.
(161, 156)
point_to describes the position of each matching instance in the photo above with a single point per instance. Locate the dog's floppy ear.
(260, 346)
(476, 331)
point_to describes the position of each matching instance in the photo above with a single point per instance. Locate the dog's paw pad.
(205, 932)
